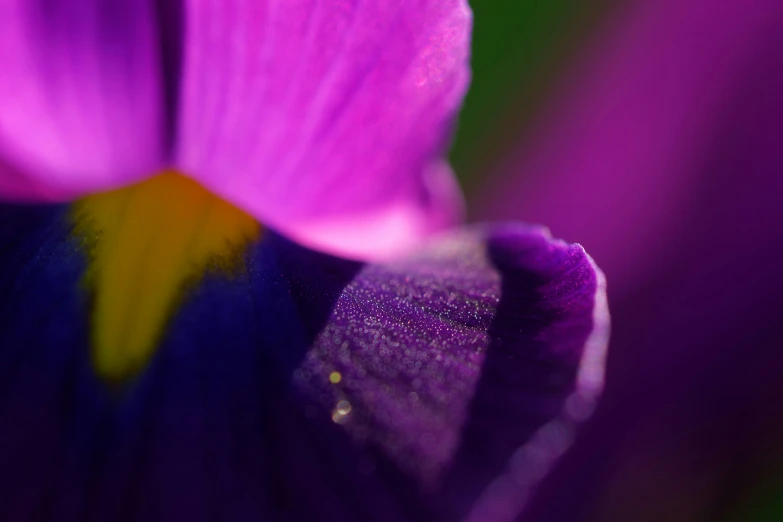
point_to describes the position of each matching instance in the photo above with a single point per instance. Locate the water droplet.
(343, 407)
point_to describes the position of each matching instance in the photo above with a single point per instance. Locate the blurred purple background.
(657, 143)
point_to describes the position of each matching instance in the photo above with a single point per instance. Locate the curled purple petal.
(80, 95)
(327, 120)
(458, 363)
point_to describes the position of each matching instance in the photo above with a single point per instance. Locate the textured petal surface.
(438, 387)
(327, 119)
(80, 95)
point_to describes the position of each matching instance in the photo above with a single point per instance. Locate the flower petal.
(457, 363)
(326, 120)
(80, 95)
(436, 387)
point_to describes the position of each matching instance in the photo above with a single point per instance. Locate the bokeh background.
(651, 132)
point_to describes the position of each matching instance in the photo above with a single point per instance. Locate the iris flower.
(220, 293)
(666, 161)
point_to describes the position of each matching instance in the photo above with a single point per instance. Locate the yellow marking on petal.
(148, 244)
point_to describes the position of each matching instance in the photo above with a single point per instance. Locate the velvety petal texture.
(327, 120)
(80, 96)
(439, 387)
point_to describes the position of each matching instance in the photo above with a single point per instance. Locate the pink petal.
(16, 186)
(327, 120)
(80, 95)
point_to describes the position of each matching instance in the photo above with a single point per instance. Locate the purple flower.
(667, 163)
(181, 341)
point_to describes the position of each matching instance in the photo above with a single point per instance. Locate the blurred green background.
(520, 50)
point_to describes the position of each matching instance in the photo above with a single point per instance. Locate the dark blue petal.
(436, 387)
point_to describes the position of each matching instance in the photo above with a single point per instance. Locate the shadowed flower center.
(149, 244)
